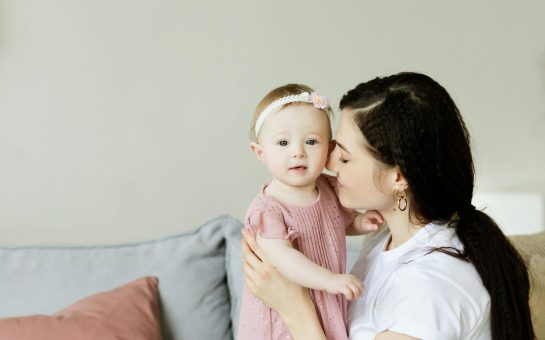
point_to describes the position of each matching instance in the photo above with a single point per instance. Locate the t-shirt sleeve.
(423, 306)
(268, 221)
(347, 214)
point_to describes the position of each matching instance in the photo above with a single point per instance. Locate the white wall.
(126, 120)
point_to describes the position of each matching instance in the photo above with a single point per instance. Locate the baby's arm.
(365, 223)
(298, 268)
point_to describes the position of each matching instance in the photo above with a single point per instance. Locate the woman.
(438, 268)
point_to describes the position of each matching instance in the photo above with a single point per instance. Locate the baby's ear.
(258, 150)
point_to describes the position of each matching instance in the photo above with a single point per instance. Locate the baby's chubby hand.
(346, 284)
(369, 221)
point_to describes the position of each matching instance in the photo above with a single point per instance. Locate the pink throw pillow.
(127, 312)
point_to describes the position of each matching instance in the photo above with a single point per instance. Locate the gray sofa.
(200, 277)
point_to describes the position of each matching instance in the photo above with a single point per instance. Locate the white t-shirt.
(433, 296)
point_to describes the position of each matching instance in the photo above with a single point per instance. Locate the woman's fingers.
(254, 264)
(251, 259)
(251, 277)
(250, 240)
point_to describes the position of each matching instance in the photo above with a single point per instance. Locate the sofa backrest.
(191, 268)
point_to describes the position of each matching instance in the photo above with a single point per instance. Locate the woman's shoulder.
(447, 291)
(449, 296)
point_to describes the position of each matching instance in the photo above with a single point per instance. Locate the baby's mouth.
(301, 167)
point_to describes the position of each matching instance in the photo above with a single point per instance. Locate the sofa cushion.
(537, 294)
(529, 245)
(532, 249)
(190, 267)
(233, 264)
(129, 312)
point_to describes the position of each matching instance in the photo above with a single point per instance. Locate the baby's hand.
(346, 284)
(369, 221)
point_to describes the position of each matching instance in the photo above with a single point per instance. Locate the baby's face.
(294, 143)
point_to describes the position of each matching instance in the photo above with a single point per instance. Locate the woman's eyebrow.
(343, 147)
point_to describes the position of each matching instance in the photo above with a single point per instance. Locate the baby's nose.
(299, 152)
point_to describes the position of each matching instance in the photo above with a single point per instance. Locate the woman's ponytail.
(503, 272)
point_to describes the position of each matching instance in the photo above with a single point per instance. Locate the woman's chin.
(346, 202)
(352, 204)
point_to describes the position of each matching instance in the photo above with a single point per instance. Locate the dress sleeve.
(268, 220)
(347, 214)
(423, 306)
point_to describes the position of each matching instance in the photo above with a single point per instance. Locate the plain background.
(128, 120)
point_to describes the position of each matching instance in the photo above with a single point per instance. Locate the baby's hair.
(280, 92)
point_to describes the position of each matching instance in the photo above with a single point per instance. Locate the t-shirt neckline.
(417, 239)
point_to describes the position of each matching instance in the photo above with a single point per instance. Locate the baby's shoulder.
(327, 184)
(327, 179)
(264, 204)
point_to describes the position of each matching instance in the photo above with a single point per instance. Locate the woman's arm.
(388, 335)
(290, 301)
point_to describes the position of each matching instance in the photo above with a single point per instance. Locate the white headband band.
(319, 102)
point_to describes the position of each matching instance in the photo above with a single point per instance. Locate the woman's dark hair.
(410, 121)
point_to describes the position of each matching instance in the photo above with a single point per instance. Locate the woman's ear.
(394, 180)
(258, 150)
(400, 182)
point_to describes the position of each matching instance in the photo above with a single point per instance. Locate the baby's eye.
(312, 141)
(282, 143)
(342, 160)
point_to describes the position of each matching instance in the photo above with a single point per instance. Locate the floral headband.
(319, 102)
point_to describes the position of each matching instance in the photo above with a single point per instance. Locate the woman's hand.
(264, 281)
(290, 301)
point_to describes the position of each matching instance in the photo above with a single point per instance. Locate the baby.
(297, 219)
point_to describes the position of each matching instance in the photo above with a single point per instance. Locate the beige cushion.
(529, 245)
(537, 294)
(532, 249)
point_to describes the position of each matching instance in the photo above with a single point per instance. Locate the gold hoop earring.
(401, 199)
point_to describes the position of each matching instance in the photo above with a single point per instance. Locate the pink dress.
(317, 231)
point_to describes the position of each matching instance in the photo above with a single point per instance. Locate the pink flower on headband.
(319, 101)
